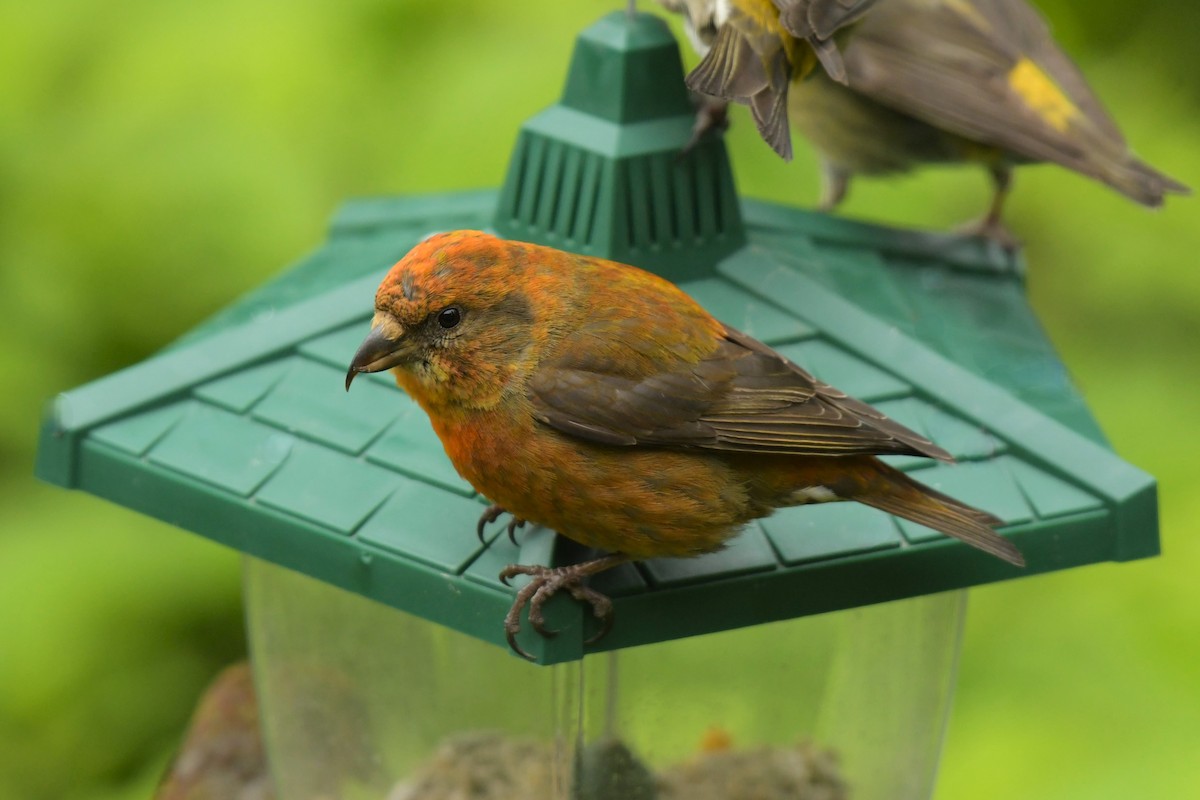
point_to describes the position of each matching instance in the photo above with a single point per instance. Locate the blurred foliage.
(158, 159)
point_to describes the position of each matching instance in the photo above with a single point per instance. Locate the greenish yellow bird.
(948, 81)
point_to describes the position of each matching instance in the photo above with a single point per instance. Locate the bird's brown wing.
(989, 70)
(742, 397)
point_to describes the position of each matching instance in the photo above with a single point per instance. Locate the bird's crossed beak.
(384, 347)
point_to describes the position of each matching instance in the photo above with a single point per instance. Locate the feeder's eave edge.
(175, 371)
(345, 562)
(851, 582)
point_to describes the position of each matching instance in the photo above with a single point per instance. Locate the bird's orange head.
(456, 318)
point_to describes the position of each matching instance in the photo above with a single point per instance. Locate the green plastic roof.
(242, 432)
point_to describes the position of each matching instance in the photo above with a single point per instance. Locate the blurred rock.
(608, 770)
(803, 772)
(222, 757)
(483, 766)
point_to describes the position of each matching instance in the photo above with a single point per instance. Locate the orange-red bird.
(602, 402)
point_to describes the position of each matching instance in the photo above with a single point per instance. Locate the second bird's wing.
(989, 70)
(759, 50)
(742, 397)
(820, 18)
(816, 21)
(747, 63)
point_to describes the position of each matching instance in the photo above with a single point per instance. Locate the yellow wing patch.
(1041, 94)
(762, 13)
(755, 18)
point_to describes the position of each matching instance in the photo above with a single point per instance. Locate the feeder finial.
(603, 172)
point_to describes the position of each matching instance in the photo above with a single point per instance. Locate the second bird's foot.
(711, 115)
(993, 230)
(544, 583)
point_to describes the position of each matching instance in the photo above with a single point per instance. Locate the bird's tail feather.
(1141, 182)
(896, 493)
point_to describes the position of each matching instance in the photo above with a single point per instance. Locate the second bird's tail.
(1139, 181)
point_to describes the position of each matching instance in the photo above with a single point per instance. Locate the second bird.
(955, 81)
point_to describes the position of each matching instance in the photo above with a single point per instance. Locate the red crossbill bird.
(940, 81)
(602, 402)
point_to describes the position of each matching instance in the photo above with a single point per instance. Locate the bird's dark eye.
(449, 317)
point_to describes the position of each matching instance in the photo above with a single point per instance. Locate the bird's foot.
(711, 115)
(993, 230)
(493, 513)
(544, 583)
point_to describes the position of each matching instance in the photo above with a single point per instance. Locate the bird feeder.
(812, 658)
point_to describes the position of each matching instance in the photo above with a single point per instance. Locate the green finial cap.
(626, 69)
(603, 172)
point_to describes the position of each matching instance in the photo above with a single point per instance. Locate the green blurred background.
(158, 159)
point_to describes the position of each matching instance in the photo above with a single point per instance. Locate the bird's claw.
(513, 524)
(493, 513)
(544, 583)
(489, 516)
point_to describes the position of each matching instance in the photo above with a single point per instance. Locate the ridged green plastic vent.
(603, 172)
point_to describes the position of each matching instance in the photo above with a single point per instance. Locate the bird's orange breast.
(642, 502)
